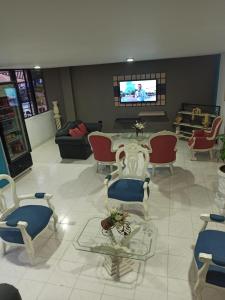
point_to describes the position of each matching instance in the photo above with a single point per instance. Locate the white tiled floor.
(61, 272)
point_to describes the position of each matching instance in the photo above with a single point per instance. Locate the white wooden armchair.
(21, 224)
(132, 185)
(209, 255)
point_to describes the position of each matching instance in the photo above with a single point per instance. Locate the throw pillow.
(75, 132)
(83, 128)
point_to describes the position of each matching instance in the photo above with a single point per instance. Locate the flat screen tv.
(138, 91)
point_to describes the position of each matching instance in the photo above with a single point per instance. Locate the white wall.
(221, 89)
(40, 128)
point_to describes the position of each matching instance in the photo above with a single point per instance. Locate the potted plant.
(220, 195)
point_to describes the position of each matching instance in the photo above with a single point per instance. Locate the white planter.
(220, 195)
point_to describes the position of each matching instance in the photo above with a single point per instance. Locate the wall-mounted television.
(138, 91)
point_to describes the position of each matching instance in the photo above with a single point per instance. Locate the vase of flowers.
(117, 218)
(139, 127)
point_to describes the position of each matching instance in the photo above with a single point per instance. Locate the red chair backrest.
(163, 148)
(101, 147)
(217, 122)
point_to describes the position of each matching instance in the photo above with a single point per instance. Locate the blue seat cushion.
(37, 217)
(130, 190)
(212, 242)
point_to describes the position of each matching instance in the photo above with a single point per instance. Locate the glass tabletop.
(129, 137)
(139, 244)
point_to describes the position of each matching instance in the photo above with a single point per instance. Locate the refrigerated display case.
(13, 132)
(3, 166)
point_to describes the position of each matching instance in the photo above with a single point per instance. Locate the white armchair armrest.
(205, 217)
(205, 257)
(111, 176)
(44, 196)
(19, 225)
(211, 218)
(40, 196)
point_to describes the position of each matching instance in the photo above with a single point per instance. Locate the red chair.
(102, 147)
(162, 148)
(204, 140)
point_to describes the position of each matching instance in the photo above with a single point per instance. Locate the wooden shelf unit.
(187, 125)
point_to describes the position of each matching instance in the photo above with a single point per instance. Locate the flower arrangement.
(139, 127)
(116, 219)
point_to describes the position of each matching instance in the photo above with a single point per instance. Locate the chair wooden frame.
(132, 152)
(21, 225)
(207, 260)
(170, 164)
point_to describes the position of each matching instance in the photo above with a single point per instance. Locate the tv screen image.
(138, 91)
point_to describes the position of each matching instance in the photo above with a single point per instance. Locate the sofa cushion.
(37, 217)
(64, 131)
(83, 128)
(75, 132)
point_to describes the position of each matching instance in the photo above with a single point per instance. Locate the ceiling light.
(130, 59)
(37, 67)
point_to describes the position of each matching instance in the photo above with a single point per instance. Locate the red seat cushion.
(75, 132)
(83, 128)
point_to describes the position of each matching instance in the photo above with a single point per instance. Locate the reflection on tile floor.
(61, 272)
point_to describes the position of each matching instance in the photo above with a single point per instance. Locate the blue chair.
(209, 254)
(20, 225)
(132, 185)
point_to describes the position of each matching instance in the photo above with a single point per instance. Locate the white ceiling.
(53, 33)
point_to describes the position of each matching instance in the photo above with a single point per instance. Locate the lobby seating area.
(175, 205)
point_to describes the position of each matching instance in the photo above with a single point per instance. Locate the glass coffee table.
(130, 137)
(120, 251)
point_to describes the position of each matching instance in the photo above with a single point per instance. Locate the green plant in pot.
(220, 195)
(221, 137)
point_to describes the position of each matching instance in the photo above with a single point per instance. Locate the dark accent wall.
(191, 79)
(59, 88)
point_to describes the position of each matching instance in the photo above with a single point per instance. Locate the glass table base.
(117, 266)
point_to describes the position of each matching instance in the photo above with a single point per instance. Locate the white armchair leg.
(171, 169)
(198, 291)
(30, 252)
(146, 215)
(153, 171)
(193, 157)
(4, 248)
(55, 219)
(201, 276)
(211, 154)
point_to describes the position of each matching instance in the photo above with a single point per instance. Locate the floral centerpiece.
(116, 219)
(139, 127)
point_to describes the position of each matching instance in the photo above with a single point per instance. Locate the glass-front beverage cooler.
(14, 137)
